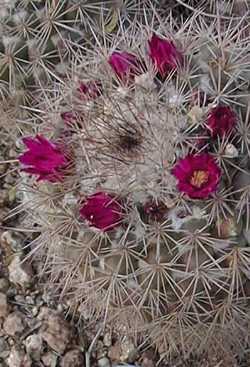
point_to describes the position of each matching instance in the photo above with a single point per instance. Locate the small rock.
(104, 362)
(107, 339)
(4, 348)
(10, 240)
(129, 352)
(30, 300)
(4, 284)
(35, 311)
(20, 299)
(115, 352)
(34, 346)
(60, 307)
(73, 358)
(231, 151)
(49, 359)
(18, 358)
(3, 305)
(20, 272)
(14, 325)
(148, 359)
(55, 330)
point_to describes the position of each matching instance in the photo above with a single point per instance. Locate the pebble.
(9, 239)
(49, 359)
(20, 272)
(148, 359)
(231, 151)
(35, 311)
(104, 362)
(4, 348)
(129, 352)
(3, 305)
(4, 285)
(107, 339)
(20, 299)
(55, 330)
(73, 358)
(13, 324)
(34, 346)
(30, 300)
(18, 358)
(115, 352)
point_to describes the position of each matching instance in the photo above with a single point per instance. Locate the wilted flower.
(164, 55)
(69, 117)
(198, 175)
(102, 211)
(154, 211)
(90, 90)
(125, 65)
(43, 158)
(221, 120)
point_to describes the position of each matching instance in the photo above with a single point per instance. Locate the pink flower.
(221, 120)
(125, 65)
(164, 55)
(43, 158)
(102, 211)
(198, 175)
(90, 90)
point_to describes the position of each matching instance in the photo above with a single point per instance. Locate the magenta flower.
(198, 175)
(43, 158)
(90, 90)
(125, 65)
(221, 120)
(164, 55)
(102, 211)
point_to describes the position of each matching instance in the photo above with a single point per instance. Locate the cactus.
(137, 177)
(38, 38)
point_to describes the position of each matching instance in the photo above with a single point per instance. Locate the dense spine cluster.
(38, 38)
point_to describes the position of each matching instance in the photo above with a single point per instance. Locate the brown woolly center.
(199, 178)
(128, 143)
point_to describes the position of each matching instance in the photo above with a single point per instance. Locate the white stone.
(231, 151)
(34, 346)
(20, 272)
(104, 362)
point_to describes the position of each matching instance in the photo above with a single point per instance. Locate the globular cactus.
(137, 178)
(38, 39)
